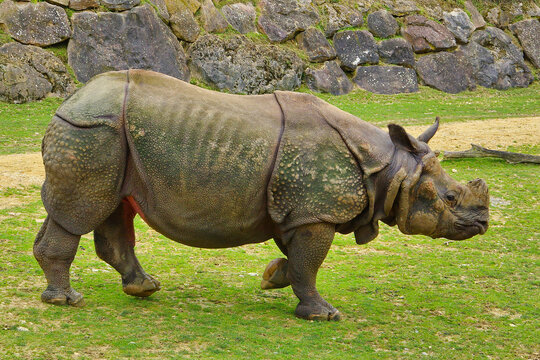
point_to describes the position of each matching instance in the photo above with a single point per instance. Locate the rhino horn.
(428, 134)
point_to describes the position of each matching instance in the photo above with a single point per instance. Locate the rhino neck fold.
(384, 189)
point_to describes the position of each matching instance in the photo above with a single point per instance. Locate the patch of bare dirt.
(493, 134)
(20, 170)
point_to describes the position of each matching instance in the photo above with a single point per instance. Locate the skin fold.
(216, 170)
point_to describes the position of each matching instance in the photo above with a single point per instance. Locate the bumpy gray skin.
(216, 170)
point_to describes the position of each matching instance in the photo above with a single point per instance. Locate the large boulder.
(480, 64)
(29, 73)
(355, 48)
(528, 33)
(314, 43)
(330, 78)
(104, 41)
(382, 24)
(427, 35)
(184, 25)
(386, 79)
(241, 66)
(40, 24)
(339, 17)
(509, 61)
(459, 24)
(443, 71)
(240, 16)
(396, 51)
(281, 20)
(213, 20)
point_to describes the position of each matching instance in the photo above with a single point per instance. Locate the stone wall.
(382, 46)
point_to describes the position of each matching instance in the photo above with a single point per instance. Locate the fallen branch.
(477, 151)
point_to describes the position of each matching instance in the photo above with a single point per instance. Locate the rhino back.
(205, 158)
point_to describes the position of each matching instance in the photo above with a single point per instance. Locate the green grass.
(405, 297)
(402, 297)
(423, 106)
(23, 125)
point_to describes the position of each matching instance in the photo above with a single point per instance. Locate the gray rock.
(29, 73)
(83, 4)
(103, 42)
(426, 35)
(480, 64)
(59, 2)
(339, 17)
(509, 61)
(498, 17)
(355, 48)
(40, 24)
(443, 71)
(173, 6)
(184, 25)
(533, 10)
(528, 33)
(459, 24)
(499, 43)
(213, 20)
(382, 24)
(317, 48)
(281, 20)
(434, 12)
(397, 51)
(330, 78)
(401, 7)
(161, 7)
(120, 5)
(386, 79)
(240, 16)
(476, 18)
(241, 66)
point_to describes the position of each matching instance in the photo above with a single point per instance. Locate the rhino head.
(429, 201)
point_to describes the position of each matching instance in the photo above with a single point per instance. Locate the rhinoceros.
(215, 170)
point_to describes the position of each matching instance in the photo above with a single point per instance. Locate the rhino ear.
(400, 138)
(428, 134)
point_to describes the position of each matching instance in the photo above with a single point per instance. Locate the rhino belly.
(205, 165)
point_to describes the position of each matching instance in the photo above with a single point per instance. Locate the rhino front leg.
(115, 241)
(55, 249)
(307, 250)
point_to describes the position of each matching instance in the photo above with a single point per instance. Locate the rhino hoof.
(62, 297)
(142, 287)
(317, 313)
(275, 275)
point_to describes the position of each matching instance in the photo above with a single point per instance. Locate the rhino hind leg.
(55, 249)
(115, 241)
(306, 252)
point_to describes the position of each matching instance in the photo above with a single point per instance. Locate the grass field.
(402, 297)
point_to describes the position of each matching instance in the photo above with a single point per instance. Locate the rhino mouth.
(470, 229)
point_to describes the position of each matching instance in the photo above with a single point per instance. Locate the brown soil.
(19, 170)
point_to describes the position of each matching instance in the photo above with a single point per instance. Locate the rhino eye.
(450, 197)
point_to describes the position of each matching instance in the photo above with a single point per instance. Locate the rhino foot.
(142, 286)
(275, 275)
(62, 297)
(319, 312)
